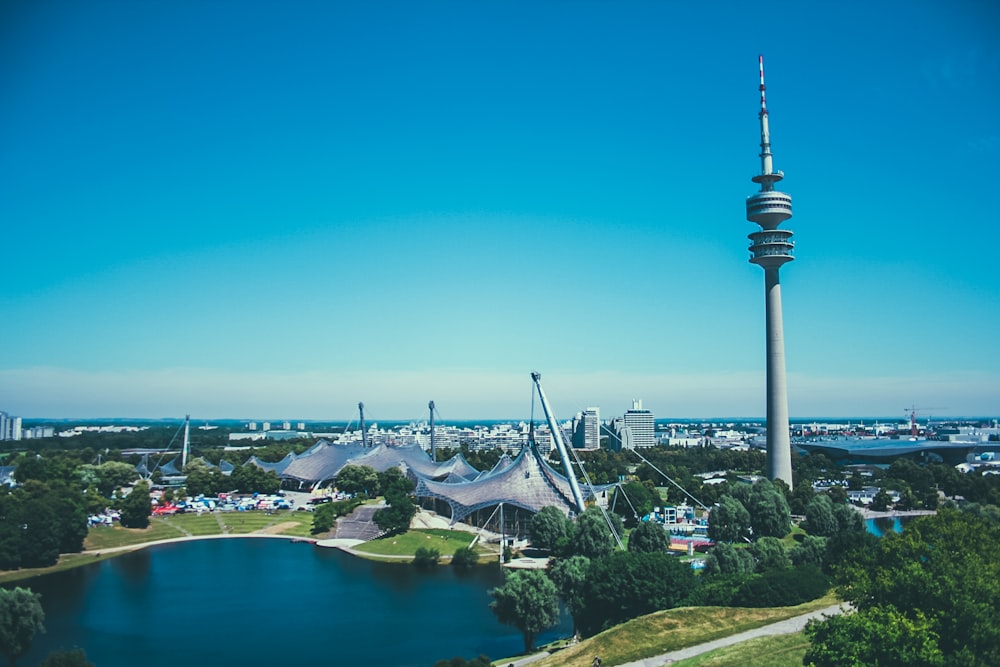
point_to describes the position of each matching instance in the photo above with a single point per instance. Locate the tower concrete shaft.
(771, 248)
(779, 447)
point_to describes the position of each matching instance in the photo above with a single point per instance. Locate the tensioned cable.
(667, 477)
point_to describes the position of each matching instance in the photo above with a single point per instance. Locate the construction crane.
(912, 412)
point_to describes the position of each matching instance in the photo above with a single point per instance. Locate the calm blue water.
(269, 602)
(881, 526)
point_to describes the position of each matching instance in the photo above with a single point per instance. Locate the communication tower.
(770, 248)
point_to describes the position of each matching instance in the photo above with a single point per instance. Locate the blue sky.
(264, 209)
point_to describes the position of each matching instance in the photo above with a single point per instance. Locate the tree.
(838, 494)
(202, 479)
(10, 530)
(592, 536)
(135, 508)
(820, 520)
(323, 518)
(399, 510)
(570, 576)
(38, 521)
(800, 497)
(625, 585)
(253, 479)
(726, 559)
(426, 557)
(73, 658)
(849, 520)
(459, 661)
(21, 617)
(464, 558)
(770, 554)
(528, 600)
(112, 475)
(728, 521)
(358, 479)
(810, 551)
(879, 636)
(634, 500)
(881, 501)
(94, 501)
(548, 526)
(387, 479)
(769, 513)
(649, 537)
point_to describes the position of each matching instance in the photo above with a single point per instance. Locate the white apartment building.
(10, 427)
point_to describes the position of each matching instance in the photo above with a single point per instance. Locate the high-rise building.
(770, 249)
(10, 427)
(587, 429)
(641, 426)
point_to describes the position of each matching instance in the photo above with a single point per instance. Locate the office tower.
(640, 425)
(587, 429)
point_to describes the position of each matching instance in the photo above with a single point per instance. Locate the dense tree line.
(38, 521)
(926, 596)
(153, 437)
(207, 480)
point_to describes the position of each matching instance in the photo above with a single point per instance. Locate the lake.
(269, 602)
(888, 524)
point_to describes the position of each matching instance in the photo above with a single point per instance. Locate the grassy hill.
(675, 629)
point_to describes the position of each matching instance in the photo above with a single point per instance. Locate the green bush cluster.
(426, 557)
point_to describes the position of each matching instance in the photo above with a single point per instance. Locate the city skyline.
(288, 210)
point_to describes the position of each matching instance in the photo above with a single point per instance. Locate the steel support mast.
(560, 445)
(187, 442)
(430, 407)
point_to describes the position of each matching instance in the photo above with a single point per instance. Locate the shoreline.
(69, 561)
(889, 514)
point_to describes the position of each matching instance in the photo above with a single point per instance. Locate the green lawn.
(406, 544)
(196, 524)
(107, 537)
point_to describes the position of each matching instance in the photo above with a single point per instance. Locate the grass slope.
(779, 651)
(673, 629)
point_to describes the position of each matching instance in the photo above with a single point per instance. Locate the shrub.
(464, 558)
(426, 557)
(782, 588)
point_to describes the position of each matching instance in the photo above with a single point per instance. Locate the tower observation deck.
(770, 248)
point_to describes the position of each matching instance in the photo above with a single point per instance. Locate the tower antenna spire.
(763, 101)
(767, 177)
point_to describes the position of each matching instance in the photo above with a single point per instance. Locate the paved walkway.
(788, 626)
(359, 524)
